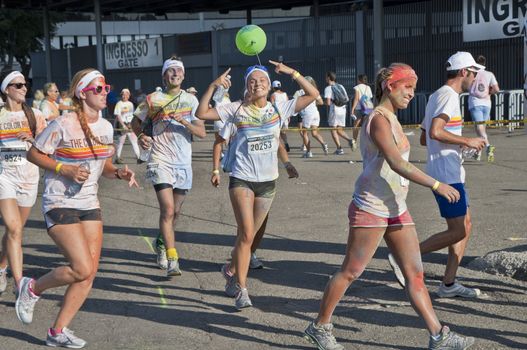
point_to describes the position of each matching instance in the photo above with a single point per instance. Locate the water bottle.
(144, 156)
(469, 153)
(219, 93)
(75, 186)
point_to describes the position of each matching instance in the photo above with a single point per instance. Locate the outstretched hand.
(279, 68)
(128, 175)
(223, 80)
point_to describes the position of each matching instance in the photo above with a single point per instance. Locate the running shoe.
(173, 268)
(242, 300)
(339, 151)
(119, 161)
(161, 252)
(3, 280)
(396, 270)
(353, 144)
(325, 148)
(309, 154)
(450, 341)
(231, 287)
(25, 302)
(255, 263)
(322, 336)
(304, 155)
(457, 290)
(66, 339)
(490, 153)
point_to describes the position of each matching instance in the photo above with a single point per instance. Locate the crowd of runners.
(75, 148)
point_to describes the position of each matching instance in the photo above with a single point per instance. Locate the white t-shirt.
(280, 97)
(311, 110)
(50, 109)
(171, 144)
(125, 110)
(65, 142)
(365, 103)
(13, 151)
(444, 160)
(255, 143)
(484, 79)
(328, 93)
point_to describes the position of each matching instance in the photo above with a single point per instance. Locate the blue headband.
(254, 68)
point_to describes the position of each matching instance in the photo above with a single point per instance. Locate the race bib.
(152, 172)
(262, 144)
(14, 156)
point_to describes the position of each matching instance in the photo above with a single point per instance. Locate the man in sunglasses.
(442, 134)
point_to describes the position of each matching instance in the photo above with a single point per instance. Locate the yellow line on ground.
(147, 240)
(162, 297)
(160, 291)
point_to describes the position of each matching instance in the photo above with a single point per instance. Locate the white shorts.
(337, 119)
(218, 125)
(177, 177)
(311, 120)
(25, 194)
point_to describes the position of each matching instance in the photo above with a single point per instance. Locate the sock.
(449, 284)
(436, 337)
(31, 291)
(55, 331)
(172, 254)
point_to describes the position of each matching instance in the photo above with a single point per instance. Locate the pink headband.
(399, 73)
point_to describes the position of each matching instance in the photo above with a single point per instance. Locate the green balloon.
(251, 40)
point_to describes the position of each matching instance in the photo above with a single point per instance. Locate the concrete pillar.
(360, 60)
(378, 35)
(214, 54)
(98, 35)
(47, 44)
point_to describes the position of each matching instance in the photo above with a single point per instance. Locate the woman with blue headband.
(252, 158)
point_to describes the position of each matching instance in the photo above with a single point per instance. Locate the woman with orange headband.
(378, 210)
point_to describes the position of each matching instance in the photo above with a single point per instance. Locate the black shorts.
(68, 216)
(265, 189)
(159, 187)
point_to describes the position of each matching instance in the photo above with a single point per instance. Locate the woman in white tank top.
(378, 210)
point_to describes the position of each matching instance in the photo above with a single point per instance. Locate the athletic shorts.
(25, 194)
(480, 113)
(309, 121)
(180, 178)
(337, 119)
(68, 216)
(218, 125)
(361, 218)
(266, 189)
(453, 210)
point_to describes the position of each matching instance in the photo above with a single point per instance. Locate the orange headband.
(399, 73)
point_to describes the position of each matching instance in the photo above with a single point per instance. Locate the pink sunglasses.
(97, 89)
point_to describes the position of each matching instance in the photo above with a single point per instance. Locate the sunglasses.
(97, 89)
(18, 86)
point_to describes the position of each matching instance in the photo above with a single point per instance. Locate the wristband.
(117, 174)
(58, 167)
(215, 172)
(295, 75)
(139, 136)
(286, 164)
(436, 185)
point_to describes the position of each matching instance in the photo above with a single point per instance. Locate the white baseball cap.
(277, 84)
(462, 59)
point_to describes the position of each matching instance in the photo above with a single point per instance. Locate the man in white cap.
(441, 133)
(192, 90)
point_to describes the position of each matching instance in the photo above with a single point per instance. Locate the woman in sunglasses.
(252, 156)
(75, 150)
(18, 178)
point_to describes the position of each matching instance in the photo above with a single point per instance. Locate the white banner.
(134, 54)
(493, 19)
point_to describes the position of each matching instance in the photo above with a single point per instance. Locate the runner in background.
(363, 99)
(75, 150)
(336, 114)
(280, 96)
(124, 113)
(50, 106)
(19, 124)
(479, 104)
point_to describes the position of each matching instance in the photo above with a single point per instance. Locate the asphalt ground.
(133, 306)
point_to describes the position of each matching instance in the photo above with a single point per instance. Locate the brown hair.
(332, 76)
(28, 111)
(77, 108)
(385, 74)
(48, 86)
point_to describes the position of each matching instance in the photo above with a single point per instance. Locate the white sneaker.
(242, 299)
(457, 290)
(66, 339)
(161, 253)
(325, 148)
(25, 302)
(3, 280)
(255, 263)
(309, 154)
(173, 268)
(396, 270)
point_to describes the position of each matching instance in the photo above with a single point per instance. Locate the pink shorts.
(361, 218)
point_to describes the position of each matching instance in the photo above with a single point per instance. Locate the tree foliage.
(22, 32)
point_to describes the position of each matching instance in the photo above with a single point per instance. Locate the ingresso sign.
(134, 54)
(493, 19)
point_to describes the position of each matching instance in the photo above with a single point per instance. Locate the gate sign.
(134, 54)
(493, 19)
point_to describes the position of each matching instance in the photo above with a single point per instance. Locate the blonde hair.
(385, 74)
(77, 108)
(39, 95)
(48, 86)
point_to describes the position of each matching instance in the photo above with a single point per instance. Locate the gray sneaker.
(161, 252)
(231, 287)
(339, 152)
(322, 336)
(457, 290)
(353, 144)
(3, 281)
(450, 341)
(396, 270)
(325, 148)
(255, 263)
(66, 339)
(25, 302)
(242, 298)
(173, 268)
